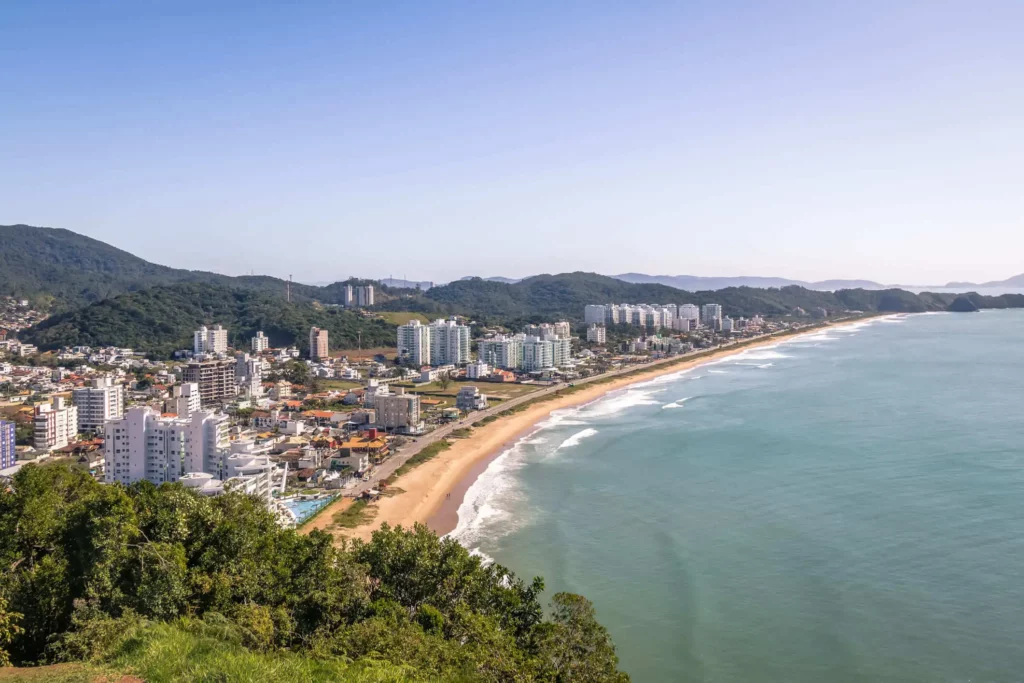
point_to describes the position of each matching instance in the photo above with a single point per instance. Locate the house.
(371, 445)
(469, 399)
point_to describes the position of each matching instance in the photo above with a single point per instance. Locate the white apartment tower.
(210, 340)
(711, 315)
(597, 333)
(96, 404)
(414, 343)
(56, 425)
(689, 312)
(538, 354)
(501, 352)
(260, 343)
(449, 343)
(185, 399)
(318, 344)
(145, 446)
(350, 299)
(364, 296)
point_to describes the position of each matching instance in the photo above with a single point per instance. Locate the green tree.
(576, 647)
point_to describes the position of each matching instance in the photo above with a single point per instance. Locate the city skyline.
(854, 141)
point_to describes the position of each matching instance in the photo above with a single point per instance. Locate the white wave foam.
(676, 404)
(719, 372)
(615, 403)
(759, 354)
(487, 499)
(575, 439)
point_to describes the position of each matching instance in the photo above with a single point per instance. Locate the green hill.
(176, 586)
(69, 270)
(160, 320)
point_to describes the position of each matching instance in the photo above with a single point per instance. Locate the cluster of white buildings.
(525, 352)
(681, 318)
(58, 423)
(358, 296)
(442, 342)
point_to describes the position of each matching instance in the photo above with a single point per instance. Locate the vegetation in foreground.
(167, 585)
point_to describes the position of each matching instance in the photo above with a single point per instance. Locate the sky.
(428, 140)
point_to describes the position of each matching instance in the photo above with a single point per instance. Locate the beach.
(432, 492)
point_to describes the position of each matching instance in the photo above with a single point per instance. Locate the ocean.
(843, 506)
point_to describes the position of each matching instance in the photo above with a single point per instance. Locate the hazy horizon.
(435, 141)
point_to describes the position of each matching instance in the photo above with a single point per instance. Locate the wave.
(676, 404)
(719, 372)
(486, 501)
(615, 403)
(576, 438)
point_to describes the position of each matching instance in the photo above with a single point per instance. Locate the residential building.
(8, 456)
(185, 399)
(56, 425)
(414, 343)
(249, 375)
(469, 399)
(350, 299)
(318, 344)
(102, 401)
(260, 343)
(683, 324)
(597, 333)
(477, 370)
(449, 343)
(561, 352)
(689, 312)
(538, 354)
(727, 325)
(501, 352)
(563, 329)
(595, 313)
(216, 380)
(399, 412)
(145, 446)
(364, 296)
(210, 341)
(711, 316)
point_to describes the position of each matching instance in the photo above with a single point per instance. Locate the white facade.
(449, 343)
(477, 370)
(363, 296)
(145, 446)
(690, 312)
(727, 325)
(501, 352)
(56, 425)
(260, 343)
(414, 343)
(595, 313)
(211, 340)
(399, 412)
(98, 403)
(711, 315)
(682, 324)
(561, 352)
(597, 333)
(185, 399)
(538, 354)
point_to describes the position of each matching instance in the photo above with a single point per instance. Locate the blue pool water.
(304, 509)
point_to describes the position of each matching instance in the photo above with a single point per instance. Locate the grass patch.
(392, 491)
(461, 433)
(428, 453)
(356, 514)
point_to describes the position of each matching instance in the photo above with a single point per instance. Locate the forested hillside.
(161, 320)
(115, 575)
(67, 270)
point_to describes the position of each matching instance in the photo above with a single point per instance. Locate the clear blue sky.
(871, 139)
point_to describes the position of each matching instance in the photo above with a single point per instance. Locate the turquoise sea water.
(847, 506)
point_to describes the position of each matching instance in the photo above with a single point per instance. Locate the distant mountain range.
(694, 283)
(1015, 281)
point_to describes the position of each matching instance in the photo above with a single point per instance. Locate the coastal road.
(412, 447)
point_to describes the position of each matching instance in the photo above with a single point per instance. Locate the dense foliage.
(85, 564)
(162, 319)
(68, 270)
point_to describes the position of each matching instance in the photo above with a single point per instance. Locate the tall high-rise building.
(399, 411)
(561, 352)
(318, 344)
(689, 312)
(56, 425)
(501, 352)
(96, 404)
(563, 329)
(364, 296)
(538, 354)
(211, 340)
(216, 380)
(711, 315)
(8, 456)
(350, 298)
(142, 445)
(414, 343)
(249, 375)
(185, 399)
(449, 343)
(595, 313)
(260, 343)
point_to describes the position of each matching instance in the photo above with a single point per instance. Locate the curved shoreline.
(433, 492)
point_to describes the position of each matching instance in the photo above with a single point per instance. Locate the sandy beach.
(434, 490)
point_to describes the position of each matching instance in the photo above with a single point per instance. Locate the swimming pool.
(304, 509)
